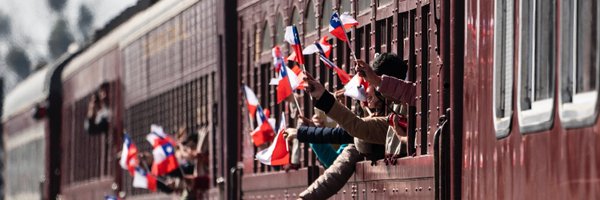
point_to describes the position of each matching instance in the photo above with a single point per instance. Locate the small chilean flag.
(251, 101)
(325, 44)
(356, 88)
(348, 21)
(264, 132)
(344, 77)
(296, 77)
(323, 50)
(338, 25)
(157, 136)
(291, 36)
(141, 179)
(276, 53)
(128, 155)
(164, 159)
(278, 153)
(284, 88)
(312, 49)
(318, 47)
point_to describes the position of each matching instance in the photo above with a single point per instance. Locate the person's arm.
(323, 135)
(397, 90)
(325, 153)
(370, 129)
(334, 177)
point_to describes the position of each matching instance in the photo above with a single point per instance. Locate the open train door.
(434, 49)
(448, 137)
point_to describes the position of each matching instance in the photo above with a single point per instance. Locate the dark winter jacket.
(319, 135)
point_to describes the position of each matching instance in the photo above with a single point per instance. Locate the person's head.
(372, 101)
(190, 140)
(390, 64)
(102, 92)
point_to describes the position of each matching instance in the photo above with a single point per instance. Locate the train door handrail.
(437, 151)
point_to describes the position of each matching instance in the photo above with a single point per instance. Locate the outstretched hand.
(364, 70)
(313, 86)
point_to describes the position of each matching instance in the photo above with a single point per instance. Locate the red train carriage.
(412, 29)
(530, 111)
(160, 66)
(506, 102)
(24, 136)
(88, 159)
(170, 78)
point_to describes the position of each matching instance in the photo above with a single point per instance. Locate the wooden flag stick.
(298, 105)
(352, 54)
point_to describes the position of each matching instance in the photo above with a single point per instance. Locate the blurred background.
(28, 28)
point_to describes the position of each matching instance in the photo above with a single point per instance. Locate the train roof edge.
(34, 89)
(128, 31)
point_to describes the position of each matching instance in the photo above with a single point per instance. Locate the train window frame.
(266, 38)
(384, 3)
(310, 20)
(540, 116)
(326, 8)
(503, 57)
(344, 7)
(363, 7)
(582, 110)
(279, 30)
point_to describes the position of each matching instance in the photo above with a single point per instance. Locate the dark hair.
(104, 86)
(390, 64)
(190, 139)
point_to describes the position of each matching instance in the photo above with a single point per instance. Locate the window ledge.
(502, 126)
(581, 112)
(538, 118)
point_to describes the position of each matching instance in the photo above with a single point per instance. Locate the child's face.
(372, 100)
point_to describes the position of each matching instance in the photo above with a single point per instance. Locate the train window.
(383, 35)
(310, 22)
(536, 76)
(326, 14)
(383, 2)
(295, 19)
(363, 6)
(266, 41)
(345, 6)
(579, 66)
(279, 30)
(503, 66)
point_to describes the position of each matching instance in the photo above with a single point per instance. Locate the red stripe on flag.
(339, 33)
(151, 182)
(280, 155)
(344, 77)
(262, 134)
(298, 51)
(284, 89)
